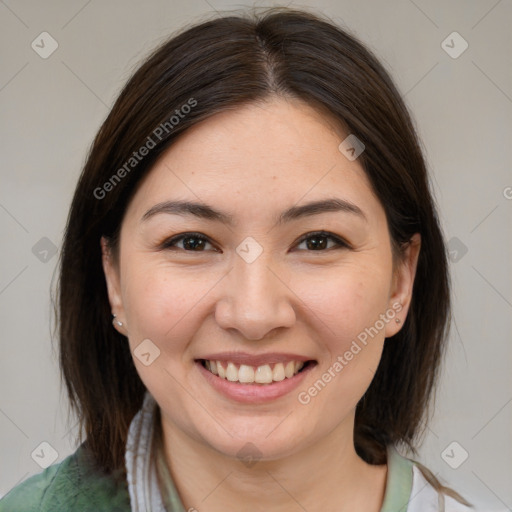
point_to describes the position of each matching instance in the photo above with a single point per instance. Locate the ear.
(403, 281)
(112, 278)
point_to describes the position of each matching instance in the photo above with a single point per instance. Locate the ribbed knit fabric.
(140, 461)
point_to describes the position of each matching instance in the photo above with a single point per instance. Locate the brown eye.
(319, 241)
(192, 242)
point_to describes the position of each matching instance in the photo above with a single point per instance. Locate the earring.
(120, 324)
(397, 320)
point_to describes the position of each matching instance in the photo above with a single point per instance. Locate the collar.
(399, 482)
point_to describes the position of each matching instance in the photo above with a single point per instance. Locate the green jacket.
(73, 485)
(76, 485)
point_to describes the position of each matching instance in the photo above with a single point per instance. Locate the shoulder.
(409, 489)
(73, 484)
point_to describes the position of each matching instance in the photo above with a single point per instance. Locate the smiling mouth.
(245, 374)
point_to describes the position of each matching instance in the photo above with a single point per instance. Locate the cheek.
(344, 302)
(347, 304)
(346, 310)
(167, 305)
(156, 301)
(163, 306)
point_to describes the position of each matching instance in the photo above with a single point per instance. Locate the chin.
(247, 446)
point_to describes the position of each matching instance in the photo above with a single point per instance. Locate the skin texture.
(254, 162)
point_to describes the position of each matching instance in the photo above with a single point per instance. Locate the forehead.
(255, 157)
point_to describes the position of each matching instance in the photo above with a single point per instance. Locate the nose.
(255, 299)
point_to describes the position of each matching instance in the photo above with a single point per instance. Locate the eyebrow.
(204, 211)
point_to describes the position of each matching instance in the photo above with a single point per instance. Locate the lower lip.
(253, 393)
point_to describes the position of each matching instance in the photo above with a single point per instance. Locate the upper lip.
(255, 359)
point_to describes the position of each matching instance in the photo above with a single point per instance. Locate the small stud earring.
(120, 324)
(397, 320)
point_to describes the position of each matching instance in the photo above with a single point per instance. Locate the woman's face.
(261, 293)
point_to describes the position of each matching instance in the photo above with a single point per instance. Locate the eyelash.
(339, 242)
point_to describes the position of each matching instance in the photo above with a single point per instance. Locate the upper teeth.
(248, 374)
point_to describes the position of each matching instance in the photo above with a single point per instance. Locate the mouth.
(254, 379)
(262, 375)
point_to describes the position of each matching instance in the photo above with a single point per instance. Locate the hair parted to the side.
(220, 64)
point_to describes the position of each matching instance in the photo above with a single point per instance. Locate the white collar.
(140, 462)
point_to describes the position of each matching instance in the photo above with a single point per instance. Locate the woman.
(253, 295)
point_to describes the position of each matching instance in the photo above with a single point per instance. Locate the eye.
(192, 242)
(319, 240)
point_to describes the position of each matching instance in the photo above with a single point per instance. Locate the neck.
(327, 475)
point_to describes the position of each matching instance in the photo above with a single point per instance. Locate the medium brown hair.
(221, 64)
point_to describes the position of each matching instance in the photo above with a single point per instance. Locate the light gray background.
(51, 109)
